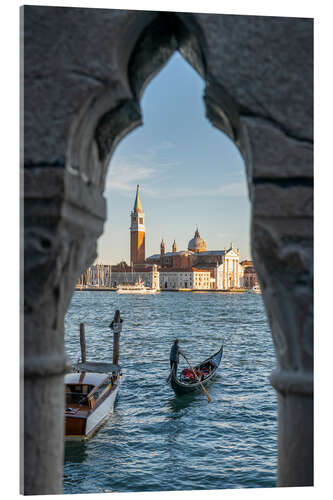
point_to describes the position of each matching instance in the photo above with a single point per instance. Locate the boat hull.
(82, 425)
(75, 427)
(101, 414)
(83, 428)
(181, 388)
(190, 389)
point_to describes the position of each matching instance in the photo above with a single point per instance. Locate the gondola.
(186, 383)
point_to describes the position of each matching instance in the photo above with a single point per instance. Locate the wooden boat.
(91, 392)
(186, 383)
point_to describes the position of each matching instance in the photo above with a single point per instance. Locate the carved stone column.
(280, 182)
(63, 218)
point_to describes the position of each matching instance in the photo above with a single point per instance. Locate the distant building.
(223, 265)
(197, 244)
(194, 268)
(241, 275)
(194, 279)
(249, 274)
(138, 232)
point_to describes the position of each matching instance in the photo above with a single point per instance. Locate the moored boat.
(187, 383)
(138, 287)
(256, 289)
(91, 392)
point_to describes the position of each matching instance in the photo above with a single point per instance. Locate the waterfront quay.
(196, 290)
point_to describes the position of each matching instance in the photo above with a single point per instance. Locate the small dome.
(197, 244)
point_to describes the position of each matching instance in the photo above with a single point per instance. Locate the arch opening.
(139, 84)
(113, 112)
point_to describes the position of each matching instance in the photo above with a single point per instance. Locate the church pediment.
(231, 253)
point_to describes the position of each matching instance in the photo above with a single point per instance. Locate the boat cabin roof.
(85, 378)
(97, 367)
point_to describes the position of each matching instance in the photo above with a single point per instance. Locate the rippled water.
(155, 440)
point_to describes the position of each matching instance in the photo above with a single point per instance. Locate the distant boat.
(90, 396)
(187, 383)
(139, 287)
(255, 289)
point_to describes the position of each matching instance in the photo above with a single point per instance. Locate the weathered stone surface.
(50, 444)
(274, 200)
(295, 441)
(266, 65)
(63, 217)
(275, 155)
(283, 254)
(285, 268)
(68, 59)
(289, 230)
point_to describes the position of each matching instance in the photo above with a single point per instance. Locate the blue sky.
(190, 174)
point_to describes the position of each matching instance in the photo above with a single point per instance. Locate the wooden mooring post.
(116, 326)
(83, 344)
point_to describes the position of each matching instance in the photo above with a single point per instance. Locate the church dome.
(197, 244)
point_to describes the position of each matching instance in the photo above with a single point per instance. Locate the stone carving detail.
(61, 227)
(287, 283)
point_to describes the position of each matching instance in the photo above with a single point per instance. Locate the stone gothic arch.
(84, 73)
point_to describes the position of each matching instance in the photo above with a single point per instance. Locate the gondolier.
(174, 356)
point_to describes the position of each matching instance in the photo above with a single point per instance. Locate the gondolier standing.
(174, 356)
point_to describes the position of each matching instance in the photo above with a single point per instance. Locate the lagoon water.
(156, 441)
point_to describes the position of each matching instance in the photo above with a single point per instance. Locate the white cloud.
(124, 177)
(159, 178)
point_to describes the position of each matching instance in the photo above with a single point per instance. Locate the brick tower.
(162, 252)
(138, 253)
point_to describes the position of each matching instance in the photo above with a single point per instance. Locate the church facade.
(222, 265)
(191, 267)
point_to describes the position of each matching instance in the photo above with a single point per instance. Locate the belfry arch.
(87, 93)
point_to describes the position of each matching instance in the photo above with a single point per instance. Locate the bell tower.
(162, 252)
(138, 232)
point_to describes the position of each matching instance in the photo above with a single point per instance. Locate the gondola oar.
(196, 376)
(169, 375)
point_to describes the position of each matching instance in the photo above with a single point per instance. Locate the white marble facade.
(195, 280)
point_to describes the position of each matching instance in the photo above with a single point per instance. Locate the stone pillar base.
(295, 440)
